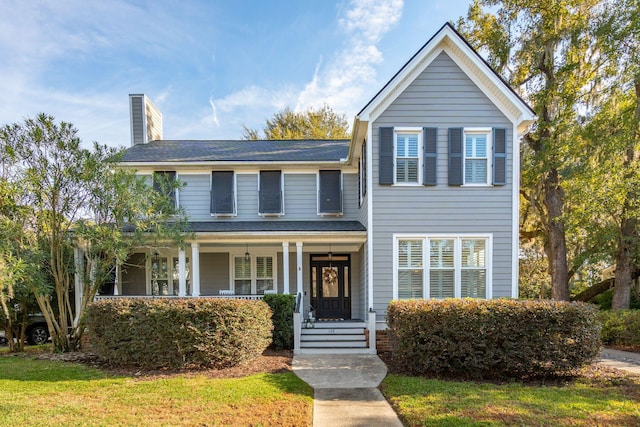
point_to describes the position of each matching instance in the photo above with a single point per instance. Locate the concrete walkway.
(345, 389)
(625, 360)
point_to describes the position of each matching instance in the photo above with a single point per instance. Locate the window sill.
(270, 214)
(476, 185)
(330, 213)
(224, 215)
(408, 184)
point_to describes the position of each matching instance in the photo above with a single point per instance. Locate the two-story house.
(422, 202)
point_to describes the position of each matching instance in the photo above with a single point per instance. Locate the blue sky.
(209, 66)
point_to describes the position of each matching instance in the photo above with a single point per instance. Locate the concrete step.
(332, 331)
(334, 351)
(333, 344)
(332, 337)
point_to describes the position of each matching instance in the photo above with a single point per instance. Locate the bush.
(495, 338)
(177, 333)
(282, 307)
(620, 327)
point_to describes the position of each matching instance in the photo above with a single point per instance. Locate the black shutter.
(455, 156)
(330, 192)
(270, 192)
(499, 156)
(430, 173)
(386, 156)
(222, 192)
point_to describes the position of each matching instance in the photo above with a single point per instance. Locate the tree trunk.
(557, 246)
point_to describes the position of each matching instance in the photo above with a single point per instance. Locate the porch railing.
(245, 297)
(298, 312)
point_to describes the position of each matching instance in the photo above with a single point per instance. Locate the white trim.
(478, 131)
(369, 217)
(195, 269)
(257, 252)
(182, 273)
(285, 268)
(299, 283)
(407, 130)
(446, 40)
(515, 211)
(457, 253)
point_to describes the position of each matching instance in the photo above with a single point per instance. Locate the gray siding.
(195, 196)
(214, 272)
(442, 96)
(300, 197)
(362, 259)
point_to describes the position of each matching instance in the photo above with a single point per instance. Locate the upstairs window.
(330, 192)
(164, 183)
(407, 153)
(270, 193)
(222, 193)
(476, 157)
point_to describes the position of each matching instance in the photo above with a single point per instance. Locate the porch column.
(285, 267)
(116, 281)
(299, 266)
(182, 279)
(78, 281)
(195, 269)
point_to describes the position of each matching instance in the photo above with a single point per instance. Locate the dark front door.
(331, 286)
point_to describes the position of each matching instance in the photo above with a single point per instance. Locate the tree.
(546, 50)
(321, 123)
(74, 197)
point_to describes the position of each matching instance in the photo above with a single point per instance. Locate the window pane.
(401, 146)
(412, 170)
(441, 284)
(263, 285)
(475, 146)
(242, 268)
(329, 282)
(409, 284)
(441, 253)
(410, 253)
(346, 281)
(264, 267)
(473, 253)
(401, 170)
(314, 284)
(412, 145)
(243, 287)
(474, 284)
(475, 171)
(481, 146)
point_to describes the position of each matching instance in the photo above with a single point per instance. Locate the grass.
(581, 402)
(38, 392)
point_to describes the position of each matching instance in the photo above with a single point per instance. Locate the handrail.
(298, 302)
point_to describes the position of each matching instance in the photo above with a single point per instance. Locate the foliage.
(492, 338)
(40, 392)
(321, 123)
(66, 196)
(282, 307)
(597, 399)
(179, 333)
(620, 327)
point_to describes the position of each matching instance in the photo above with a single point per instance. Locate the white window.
(477, 152)
(442, 267)
(253, 275)
(408, 153)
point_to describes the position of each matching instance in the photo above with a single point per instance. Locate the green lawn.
(582, 402)
(37, 392)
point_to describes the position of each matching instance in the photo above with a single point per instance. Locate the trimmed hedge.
(178, 333)
(282, 307)
(620, 327)
(494, 338)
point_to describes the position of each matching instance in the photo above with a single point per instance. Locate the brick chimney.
(146, 120)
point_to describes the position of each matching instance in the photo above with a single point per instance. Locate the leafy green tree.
(547, 51)
(71, 197)
(321, 123)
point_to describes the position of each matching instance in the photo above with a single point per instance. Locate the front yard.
(599, 397)
(43, 392)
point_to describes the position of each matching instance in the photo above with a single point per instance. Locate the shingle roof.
(238, 151)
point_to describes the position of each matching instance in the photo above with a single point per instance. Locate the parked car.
(37, 331)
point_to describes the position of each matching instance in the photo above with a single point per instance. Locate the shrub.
(282, 307)
(495, 338)
(620, 327)
(176, 333)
